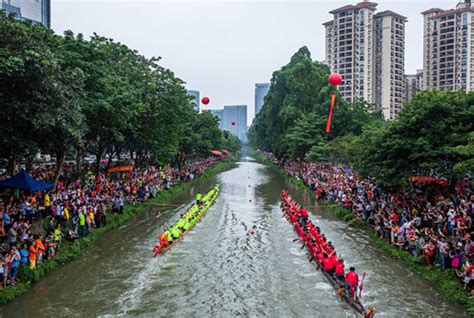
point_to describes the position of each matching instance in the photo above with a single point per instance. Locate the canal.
(240, 260)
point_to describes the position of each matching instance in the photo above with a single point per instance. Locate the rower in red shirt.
(339, 269)
(352, 280)
(320, 257)
(327, 264)
(314, 249)
(333, 258)
(293, 217)
(304, 216)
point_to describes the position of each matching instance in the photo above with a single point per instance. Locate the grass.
(446, 283)
(70, 251)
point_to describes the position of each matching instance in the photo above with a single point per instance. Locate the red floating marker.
(205, 100)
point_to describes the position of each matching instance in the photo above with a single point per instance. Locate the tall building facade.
(236, 114)
(349, 49)
(448, 52)
(196, 99)
(389, 62)
(219, 113)
(261, 89)
(413, 83)
(368, 50)
(37, 11)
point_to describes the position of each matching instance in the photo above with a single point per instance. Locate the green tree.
(467, 152)
(65, 93)
(295, 111)
(421, 140)
(305, 134)
(203, 135)
(38, 93)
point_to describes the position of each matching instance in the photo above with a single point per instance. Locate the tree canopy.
(294, 115)
(67, 94)
(432, 135)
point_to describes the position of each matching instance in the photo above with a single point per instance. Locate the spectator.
(426, 221)
(78, 205)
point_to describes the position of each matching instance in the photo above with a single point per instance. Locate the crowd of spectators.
(32, 225)
(427, 220)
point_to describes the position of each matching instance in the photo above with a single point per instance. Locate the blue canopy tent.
(24, 181)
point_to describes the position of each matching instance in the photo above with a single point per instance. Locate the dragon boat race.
(236, 158)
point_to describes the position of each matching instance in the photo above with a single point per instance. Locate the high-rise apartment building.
(38, 11)
(196, 99)
(389, 62)
(349, 49)
(236, 114)
(413, 83)
(448, 52)
(260, 91)
(368, 49)
(219, 113)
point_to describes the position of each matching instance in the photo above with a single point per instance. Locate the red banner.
(216, 153)
(120, 169)
(427, 179)
(328, 125)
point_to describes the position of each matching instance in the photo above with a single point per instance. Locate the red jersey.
(320, 257)
(293, 218)
(352, 278)
(327, 264)
(304, 212)
(340, 268)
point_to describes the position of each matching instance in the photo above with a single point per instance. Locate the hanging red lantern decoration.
(335, 79)
(205, 100)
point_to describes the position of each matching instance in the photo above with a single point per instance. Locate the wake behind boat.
(320, 249)
(170, 237)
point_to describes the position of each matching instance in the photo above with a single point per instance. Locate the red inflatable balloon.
(205, 100)
(335, 79)
(233, 123)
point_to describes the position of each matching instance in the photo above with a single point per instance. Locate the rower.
(165, 238)
(339, 269)
(304, 217)
(168, 234)
(327, 264)
(181, 221)
(293, 217)
(352, 280)
(187, 225)
(198, 198)
(370, 312)
(175, 232)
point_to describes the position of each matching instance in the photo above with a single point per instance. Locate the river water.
(221, 269)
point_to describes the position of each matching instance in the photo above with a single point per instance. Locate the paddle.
(361, 286)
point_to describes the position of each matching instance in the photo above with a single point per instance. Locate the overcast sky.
(222, 48)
